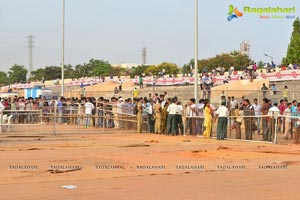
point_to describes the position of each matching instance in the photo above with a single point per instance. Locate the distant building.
(127, 65)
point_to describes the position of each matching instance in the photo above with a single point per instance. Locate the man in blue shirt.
(297, 124)
(294, 111)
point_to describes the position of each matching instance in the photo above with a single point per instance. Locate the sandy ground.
(149, 167)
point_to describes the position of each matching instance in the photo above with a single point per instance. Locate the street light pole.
(63, 50)
(196, 51)
(269, 57)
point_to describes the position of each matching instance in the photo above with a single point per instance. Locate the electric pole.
(30, 47)
(63, 50)
(196, 51)
(144, 55)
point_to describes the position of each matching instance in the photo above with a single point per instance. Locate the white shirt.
(172, 109)
(287, 113)
(222, 111)
(274, 111)
(150, 109)
(163, 103)
(257, 109)
(2, 107)
(192, 110)
(88, 108)
(233, 104)
(119, 107)
(179, 109)
(187, 111)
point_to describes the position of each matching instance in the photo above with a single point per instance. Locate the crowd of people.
(161, 114)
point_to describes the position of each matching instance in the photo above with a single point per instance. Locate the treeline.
(95, 67)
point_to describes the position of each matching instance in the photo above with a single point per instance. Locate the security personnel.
(157, 110)
(139, 115)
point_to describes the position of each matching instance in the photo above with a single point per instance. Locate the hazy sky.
(117, 30)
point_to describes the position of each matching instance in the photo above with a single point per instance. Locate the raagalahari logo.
(233, 13)
(264, 13)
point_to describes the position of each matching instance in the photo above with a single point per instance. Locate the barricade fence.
(267, 128)
(277, 129)
(63, 120)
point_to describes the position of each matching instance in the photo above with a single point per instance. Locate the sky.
(117, 31)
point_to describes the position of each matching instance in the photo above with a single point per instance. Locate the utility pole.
(144, 55)
(63, 50)
(196, 51)
(30, 47)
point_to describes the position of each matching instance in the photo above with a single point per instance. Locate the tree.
(118, 71)
(260, 64)
(168, 68)
(293, 51)
(52, 73)
(138, 71)
(17, 74)
(152, 70)
(38, 74)
(69, 71)
(3, 78)
(99, 68)
(234, 58)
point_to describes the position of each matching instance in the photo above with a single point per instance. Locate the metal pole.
(63, 51)
(30, 46)
(196, 51)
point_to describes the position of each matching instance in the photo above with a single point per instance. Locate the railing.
(64, 120)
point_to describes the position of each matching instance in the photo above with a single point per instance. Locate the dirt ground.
(126, 165)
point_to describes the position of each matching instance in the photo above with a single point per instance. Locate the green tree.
(17, 74)
(235, 58)
(152, 70)
(138, 71)
(69, 72)
(168, 68)
(52, 73)
(293, 51)
(118, 71)
(38, 74)
(3, 78)
(260, 64)
(99, 68)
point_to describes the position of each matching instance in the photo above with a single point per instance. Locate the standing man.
(141, 81)
(264, 90)
(297, 125)
(257, 109)
(89, 106)
(192, 115)
(172, 109)
(294, 112)
(139, 115)
(222, 115)
(248, 113)
(157, 111)
(273, 113)
(200, 120)
(2, 107)
(287, 121)
(281, 124)
(151, 120)
(233, 103)
(179, 119)
(264, 111)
